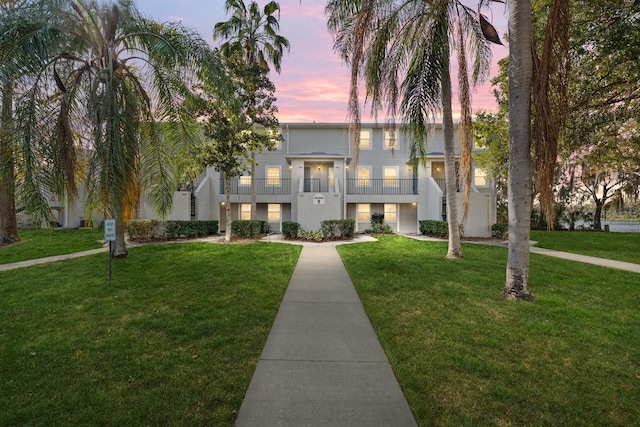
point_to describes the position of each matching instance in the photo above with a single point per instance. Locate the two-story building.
(313, 176)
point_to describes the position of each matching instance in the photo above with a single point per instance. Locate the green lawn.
(617, 246)
(173, 339)
(44, 243)
(465, 356)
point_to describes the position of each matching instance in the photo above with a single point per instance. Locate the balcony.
(268, 186)
(389, 186)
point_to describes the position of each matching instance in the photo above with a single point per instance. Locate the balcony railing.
(387, 186)
(270, 186)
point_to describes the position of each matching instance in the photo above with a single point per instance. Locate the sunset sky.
(314, 83)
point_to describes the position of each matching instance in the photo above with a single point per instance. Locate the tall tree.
(403, 51)
(237, 126)
(254, 34)
(519, 181)
(122, 85)
(26, 38)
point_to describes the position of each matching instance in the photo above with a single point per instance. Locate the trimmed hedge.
(145, 230)
(338, 228)
(290, 229)
(246, 228)
(500, 230)
(434, 228)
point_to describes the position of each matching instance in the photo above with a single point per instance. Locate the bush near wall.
(144, 230)
(290, 229)
(246, 228)
(338, 228)
(434, 228)
(500, 230)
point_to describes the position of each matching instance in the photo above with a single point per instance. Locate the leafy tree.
(254, 35)
(240, 125)
(26, 170)
(120, 87)
(403, 52)
(491, 132)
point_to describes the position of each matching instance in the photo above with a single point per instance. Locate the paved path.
(38, 261)
(322, 364)
(588, 259)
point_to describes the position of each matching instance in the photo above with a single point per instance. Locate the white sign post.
(110, 236)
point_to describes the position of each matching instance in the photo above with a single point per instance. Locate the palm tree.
(26, 171)
(519, 181)
(254, 34)
(121, 86)
(403, 49)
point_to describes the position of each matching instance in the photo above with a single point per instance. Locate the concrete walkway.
(322, 364)
(38, 261)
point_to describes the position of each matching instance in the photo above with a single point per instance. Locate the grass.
(44, 243)
(464, 356)
(617, 246)
(173, 339)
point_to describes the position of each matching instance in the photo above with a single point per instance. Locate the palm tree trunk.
(227, 207)
(8, 219)
(519, 181)
(455, 248)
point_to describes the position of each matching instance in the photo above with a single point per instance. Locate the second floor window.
(273, 175)
(364, 176)
(245, 180)
(390, 176)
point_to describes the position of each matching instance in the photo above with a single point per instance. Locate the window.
(273, 175)
(245, 211)
(365, 139)
(479, 177)
(390, 176)
(364, 176)
(245, 180)
(364, 212)
(273, 212)
(390, 139)
(390, 212)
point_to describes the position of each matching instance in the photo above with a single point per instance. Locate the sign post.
(110, 235)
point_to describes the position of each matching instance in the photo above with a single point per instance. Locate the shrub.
(338, 228)
(141, 230)
(500, 230)
(290, 229)
(434, 228)
(378, 226)
(310, 235)
(152, 230)
(190, 229)
(246, 228)
(265, 228)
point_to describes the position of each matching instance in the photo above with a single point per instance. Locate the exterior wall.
(317, 160)
(482, 214)
(313, 208)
